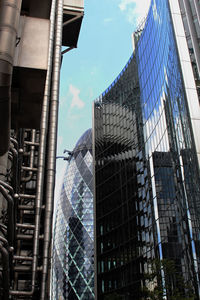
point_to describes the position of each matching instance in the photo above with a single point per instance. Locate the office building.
(190, 12)
(73, 243)
(146, 152)
(31, 35)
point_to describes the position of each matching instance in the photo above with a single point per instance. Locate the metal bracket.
(67, 50)
(78, 16)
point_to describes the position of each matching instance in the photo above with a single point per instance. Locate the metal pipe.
(63, 157)
(3, 229)
(6, 269)
(15, 142)
(42, 156)
(31, 143)
(22, 268)
(27, 196)
(52, 143)
(17, 257)
(29, 177)
(25, 226)
(24, 236)
(7, 186)
(29, 169)
(10, 209)
(3, 240)
(10, 157)
(28, 236)
(3, 177)
(11, 230)
(3, 167)
(26, 207)
(14, 182)
(9, 20)
(14, 167)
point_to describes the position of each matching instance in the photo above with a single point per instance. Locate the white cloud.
(124, 3)
(76, 100)
(136, 10)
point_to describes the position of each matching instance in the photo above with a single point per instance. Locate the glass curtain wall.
(169, 146)
(162, 195)
(73, 247)
(117, 139)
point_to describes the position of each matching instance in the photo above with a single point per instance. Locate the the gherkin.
(73, 249)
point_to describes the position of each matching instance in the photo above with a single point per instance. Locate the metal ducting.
(41, 161)
(52, 143)
(30, 61)
(9, 19)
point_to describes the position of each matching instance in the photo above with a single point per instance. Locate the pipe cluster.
(8, 218)
(27, 166)
(30, 165)
(9, 20)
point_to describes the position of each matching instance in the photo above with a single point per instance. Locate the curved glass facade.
(116, 190)
(117, 138)
(152, 213)
(169, 146)
(73, 248)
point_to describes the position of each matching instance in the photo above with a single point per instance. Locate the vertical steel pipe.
(14, 167)
(9, 20)
(52, 143)
(42, 156)
(43, 143)
(42, 148)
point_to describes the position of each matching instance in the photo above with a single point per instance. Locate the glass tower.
(147, 168)
(73, 248)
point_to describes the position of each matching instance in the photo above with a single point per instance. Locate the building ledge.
(73, 11)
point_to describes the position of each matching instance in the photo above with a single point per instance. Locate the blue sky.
(104, 47)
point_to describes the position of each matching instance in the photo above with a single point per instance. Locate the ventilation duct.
(9, 19)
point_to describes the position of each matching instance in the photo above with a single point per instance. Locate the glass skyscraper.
(147, 183)
(73, 246)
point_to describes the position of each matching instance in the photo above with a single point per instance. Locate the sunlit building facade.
(147, 184)
(73, 245)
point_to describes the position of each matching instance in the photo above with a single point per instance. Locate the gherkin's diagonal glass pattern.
(73, 249)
